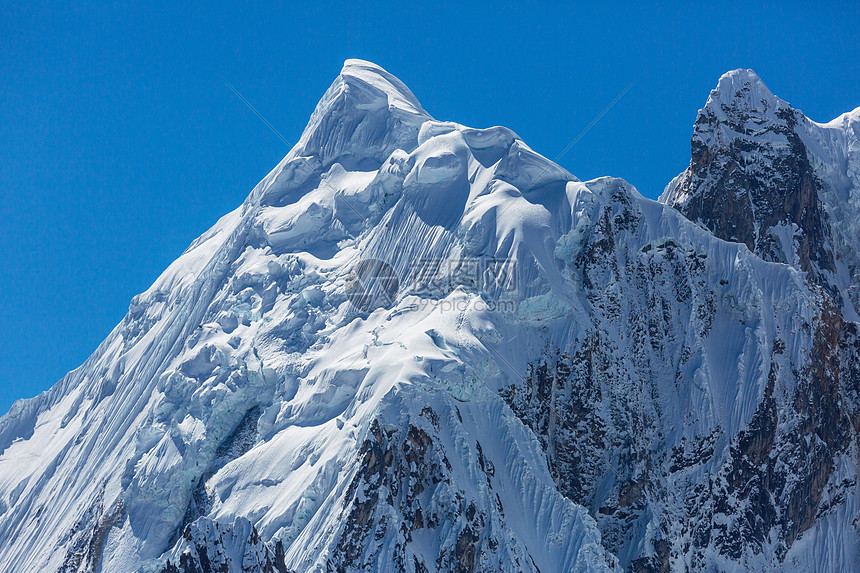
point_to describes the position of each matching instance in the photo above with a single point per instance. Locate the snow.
(255, 318)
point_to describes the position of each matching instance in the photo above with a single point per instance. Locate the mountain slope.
(765, 175)
(420, 346)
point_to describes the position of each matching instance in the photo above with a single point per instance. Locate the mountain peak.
(425, 347)
(739, 82)
(361, 73)
(364, 115)
(740, 94)
(750, 178)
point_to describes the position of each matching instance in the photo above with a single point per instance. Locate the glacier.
(666, 385)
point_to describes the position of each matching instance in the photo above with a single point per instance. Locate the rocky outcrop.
(614, 408)
(656, 393)
(750, 178)
(210, 547)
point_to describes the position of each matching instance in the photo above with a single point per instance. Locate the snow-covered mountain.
(764, 175)
(418, 346)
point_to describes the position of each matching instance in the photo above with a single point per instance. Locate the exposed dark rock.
(403, 475)
(89, 534)
(237, 443)
(595, 404)
(210, 547)
(742, 188)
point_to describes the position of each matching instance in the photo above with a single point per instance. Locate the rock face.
(764, 175)
(750, 180)
(418, 346)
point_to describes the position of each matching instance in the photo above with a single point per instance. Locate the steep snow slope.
(242, 388)
(419, 346)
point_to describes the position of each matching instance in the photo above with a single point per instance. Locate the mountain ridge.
(644, 378)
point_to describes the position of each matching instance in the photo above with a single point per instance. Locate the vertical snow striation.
(649, 393)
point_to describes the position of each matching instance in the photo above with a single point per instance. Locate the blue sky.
(120, 142)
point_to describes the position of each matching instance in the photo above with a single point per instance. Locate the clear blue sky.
(120, 143)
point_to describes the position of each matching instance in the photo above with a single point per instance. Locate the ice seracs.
(655, 393)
